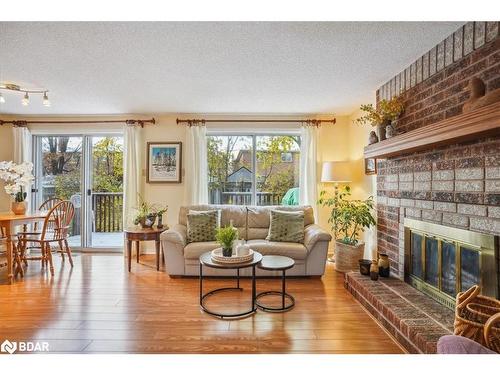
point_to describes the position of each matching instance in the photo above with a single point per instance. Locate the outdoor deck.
(100, 240)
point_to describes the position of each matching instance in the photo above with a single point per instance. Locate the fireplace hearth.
(442, 261)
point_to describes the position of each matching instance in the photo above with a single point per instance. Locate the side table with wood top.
(138, 234)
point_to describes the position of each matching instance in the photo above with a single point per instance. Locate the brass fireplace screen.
(442, 261)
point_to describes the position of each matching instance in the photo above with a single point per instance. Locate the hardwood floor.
(99, 307)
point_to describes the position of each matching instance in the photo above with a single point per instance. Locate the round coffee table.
(206, 260)
(277, 263)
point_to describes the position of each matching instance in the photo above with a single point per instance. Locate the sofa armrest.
(176, 235)
(314, 233)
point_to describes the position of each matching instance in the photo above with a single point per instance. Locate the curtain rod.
(128, 122)
(195, 122)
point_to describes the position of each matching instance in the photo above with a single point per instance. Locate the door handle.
(33, 190)
(89, 192)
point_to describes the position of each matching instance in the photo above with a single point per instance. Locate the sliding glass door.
(88, 171)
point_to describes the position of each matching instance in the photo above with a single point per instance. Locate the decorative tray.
(219, 258)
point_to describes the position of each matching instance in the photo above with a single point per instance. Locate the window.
(233, 159)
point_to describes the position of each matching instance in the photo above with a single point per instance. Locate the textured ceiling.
(211, 67)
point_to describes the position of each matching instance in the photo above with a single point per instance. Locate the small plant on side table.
(225, 236)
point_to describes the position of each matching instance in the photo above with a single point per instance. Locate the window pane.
(230, 160)
(278, 162)
(61, 163)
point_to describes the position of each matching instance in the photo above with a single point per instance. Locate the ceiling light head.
(26, 99)
(2, 99)
(46, 101)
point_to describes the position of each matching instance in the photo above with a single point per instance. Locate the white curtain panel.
(22, 144)
(308, 186)
(196, 165)
(132, 169)
(22, 150)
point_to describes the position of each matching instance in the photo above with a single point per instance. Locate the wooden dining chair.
(55, 229)
(47, 205)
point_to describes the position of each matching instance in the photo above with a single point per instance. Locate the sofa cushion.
(259, 216)
(195, 249)
(290, 249)
(201, 226)
(286, 226)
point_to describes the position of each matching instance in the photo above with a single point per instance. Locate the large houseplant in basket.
(348, 218)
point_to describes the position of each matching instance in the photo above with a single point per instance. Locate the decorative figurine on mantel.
(372, 138)
(478, 96)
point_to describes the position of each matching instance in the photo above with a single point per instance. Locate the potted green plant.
(159, 213)
(374, 117)
(225, 236)
(348, 218)
(386, 114)
(146, 214)
(391, 110)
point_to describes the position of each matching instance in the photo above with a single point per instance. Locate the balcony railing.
(244, 198)
(107, 211)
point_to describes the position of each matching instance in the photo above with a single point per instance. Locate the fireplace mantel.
(482, 122)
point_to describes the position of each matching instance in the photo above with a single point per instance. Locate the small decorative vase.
(227, 252)
(381, 131)
(389, 131)
(384, 268)
(148, 221)
(372, 138)
(374, 270)
(364, 266)
(19, 208)
(160, 222)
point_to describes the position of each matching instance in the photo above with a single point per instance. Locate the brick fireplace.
(451, 185)
(456, 185)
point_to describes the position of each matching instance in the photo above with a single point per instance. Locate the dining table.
(9, 221)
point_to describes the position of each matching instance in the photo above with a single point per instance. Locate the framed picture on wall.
(371, 166)
(164, 162)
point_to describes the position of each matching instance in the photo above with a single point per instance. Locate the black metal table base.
(221, 315)
(283, 294)
(284, 306)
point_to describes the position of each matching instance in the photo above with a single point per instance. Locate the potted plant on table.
(349, 218)
(225, 236)
(146, 214)
(17, 177)
(160, 212)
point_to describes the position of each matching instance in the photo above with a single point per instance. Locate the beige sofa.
(182, 258)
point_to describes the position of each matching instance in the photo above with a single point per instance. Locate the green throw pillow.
(201, 225)
(286, 226)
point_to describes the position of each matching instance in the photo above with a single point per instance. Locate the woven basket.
(347, 257)
(477, 318)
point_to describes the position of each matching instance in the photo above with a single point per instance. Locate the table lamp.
(336, 172)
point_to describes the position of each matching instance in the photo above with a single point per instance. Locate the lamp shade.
(336, 171)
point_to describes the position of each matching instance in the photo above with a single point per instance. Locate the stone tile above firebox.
(415, 320)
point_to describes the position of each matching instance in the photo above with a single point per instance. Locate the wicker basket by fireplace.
(477, 317)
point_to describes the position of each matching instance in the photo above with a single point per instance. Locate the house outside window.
(253, 169)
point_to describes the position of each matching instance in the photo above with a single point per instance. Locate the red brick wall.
(457, 185)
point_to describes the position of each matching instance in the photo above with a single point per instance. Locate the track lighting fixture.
(25, 101)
